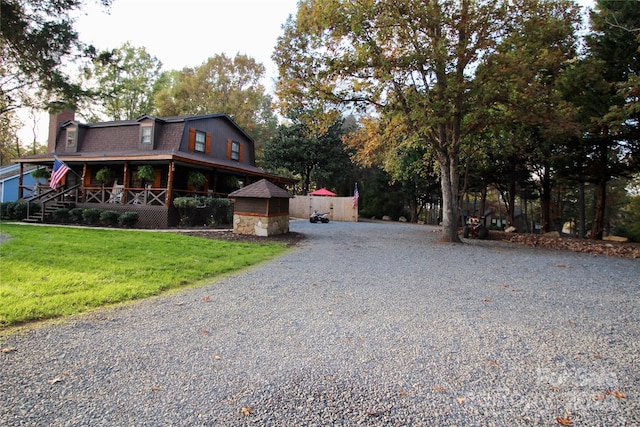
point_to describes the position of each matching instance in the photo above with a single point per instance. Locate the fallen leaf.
(55, 380)
(597, 356)
(206, 299)
(619, 395)
(217, 357)
(246, 411)
(486, 300)
(460, 400)
(156, 388)
(561, 265)
(440, 389)
(8, 350)
(493, 363)
(564, 421)
(205, 332)
(571, 323)
(402, 392)
(601, 396)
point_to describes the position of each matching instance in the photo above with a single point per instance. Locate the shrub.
(221, 210)
(18, 211)
(109, 218)
(61, 215)
(128, 219)
(5, 210)
(75, 215)
(91, 215)
(187, 208)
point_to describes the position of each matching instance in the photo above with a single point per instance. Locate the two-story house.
(174, 148)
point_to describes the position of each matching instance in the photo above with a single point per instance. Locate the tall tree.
(318, 158)
(37, 41)
(615, 138)
(221, 85)
(122, 83)
(413, 59)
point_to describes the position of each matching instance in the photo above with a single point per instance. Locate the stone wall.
(260, 225)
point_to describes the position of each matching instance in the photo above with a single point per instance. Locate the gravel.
(372, 324)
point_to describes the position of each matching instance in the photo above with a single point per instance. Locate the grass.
(52, 272)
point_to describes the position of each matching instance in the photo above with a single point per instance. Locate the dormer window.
(201, 141)
(146, 134)
(71, 138)
(235, 150)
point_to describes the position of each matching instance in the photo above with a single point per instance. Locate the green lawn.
(51, 272)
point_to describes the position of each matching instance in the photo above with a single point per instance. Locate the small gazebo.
(261, 209)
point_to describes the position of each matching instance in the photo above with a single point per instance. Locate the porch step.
(48, 211)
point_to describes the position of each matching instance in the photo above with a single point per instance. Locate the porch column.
(170, 184)
(20, 188)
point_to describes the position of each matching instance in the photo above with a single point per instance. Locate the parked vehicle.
(319, 217)
(475, 228)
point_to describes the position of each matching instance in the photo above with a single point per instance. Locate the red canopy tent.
(322, 192)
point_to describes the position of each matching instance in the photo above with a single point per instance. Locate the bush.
(18, 211)
(109, 218)
(75, 215)
(91, 215)
(128, 219)
(6, 210)
(61, 215)
(221, 210)
(187, 208)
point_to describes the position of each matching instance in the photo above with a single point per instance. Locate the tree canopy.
(37, 40)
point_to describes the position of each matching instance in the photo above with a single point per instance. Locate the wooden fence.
(339, 208)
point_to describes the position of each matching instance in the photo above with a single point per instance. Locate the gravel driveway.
(371, 324)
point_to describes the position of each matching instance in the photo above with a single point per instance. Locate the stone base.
(260, 225)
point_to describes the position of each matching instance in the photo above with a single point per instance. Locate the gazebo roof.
(262, 189)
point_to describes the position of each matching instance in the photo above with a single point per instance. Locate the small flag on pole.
(356, 196)
(58, 173)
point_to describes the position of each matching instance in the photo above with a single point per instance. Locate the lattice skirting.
(150, 216)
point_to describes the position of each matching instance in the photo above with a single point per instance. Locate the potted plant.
(146, 173)
(40, 173)
(196, 179)
(106, 175)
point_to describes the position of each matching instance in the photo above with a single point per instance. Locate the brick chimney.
(56, 118)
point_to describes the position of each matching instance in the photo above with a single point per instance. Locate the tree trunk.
(598, 220)
(545, 200)
(449, 181)
(581, 212)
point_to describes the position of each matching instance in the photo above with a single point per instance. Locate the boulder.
(618, 239)
(402, 219)
(386, 218)
(510, 229)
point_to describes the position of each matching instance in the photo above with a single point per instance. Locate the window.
(71, 138)
(145, 134)
(201, 141)
(235, 150)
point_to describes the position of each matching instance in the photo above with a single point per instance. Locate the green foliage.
(138, 265)
(15, 210)
(91, 215)
(196, 179)
(109, 218)
(76, 215)
(61, 215)
(321, 158)
(40, 173)
(128, 219)
(106, 175)
(220, 210)
(630, 224)
(124, 80)
(187, 208)
(221, 84)
(146, 173)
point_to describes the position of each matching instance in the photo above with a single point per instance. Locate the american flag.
(58, 173)
(356, 196)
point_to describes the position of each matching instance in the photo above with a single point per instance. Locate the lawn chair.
(116, 193)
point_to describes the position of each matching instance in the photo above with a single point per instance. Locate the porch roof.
(180, 157)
